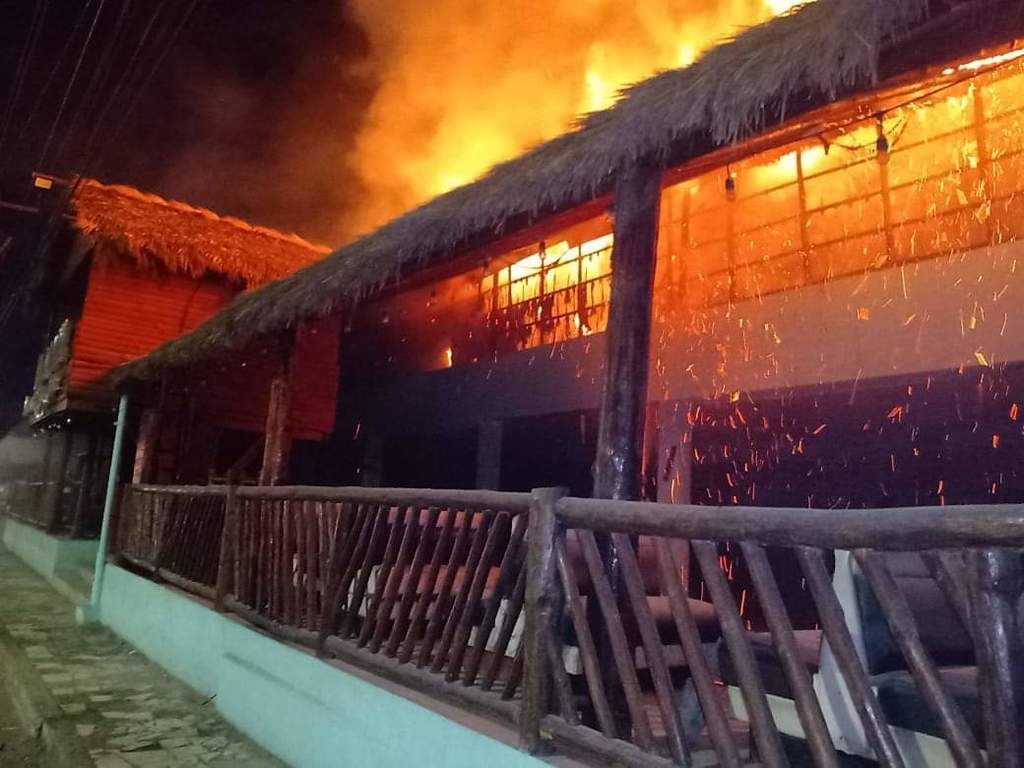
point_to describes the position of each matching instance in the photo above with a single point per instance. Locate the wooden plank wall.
(234, 392)
(127, 313)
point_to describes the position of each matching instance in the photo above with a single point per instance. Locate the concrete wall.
(305, 711)
(45, 554)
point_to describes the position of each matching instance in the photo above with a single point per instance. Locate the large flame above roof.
(467, 85)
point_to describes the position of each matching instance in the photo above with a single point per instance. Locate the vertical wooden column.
(488, 455)
(228, 544)
(618, 466)
(41, 490)
(997, 585)
(277, 436)
(85, 488)
(56, 510)
(675, 465)
(146, 446)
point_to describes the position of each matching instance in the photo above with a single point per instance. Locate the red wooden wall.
(234, 391)
(128, 313)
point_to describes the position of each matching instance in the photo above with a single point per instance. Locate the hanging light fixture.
(730, 184)
(882, 142)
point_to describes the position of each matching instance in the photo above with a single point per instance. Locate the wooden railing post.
(540, 601)
(997, 581)
(277, 438)
(228, 544)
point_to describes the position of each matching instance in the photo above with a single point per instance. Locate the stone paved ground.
(127, 710)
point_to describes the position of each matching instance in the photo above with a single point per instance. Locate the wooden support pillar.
(56, 494)
(40, 495)
(619, 464)
(488, 455)
(85, 494)
(372, 473)
(277, 436)
(146, 446)
(675, 466)
(675, 453)
(618, 467)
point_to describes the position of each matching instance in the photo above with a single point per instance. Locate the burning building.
(127, 272)
(782, 277)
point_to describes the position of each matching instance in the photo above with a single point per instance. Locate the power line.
(168, 45)
(51, 78)
(99, 73)
(71, 84)
(128, 77)
(27, 53)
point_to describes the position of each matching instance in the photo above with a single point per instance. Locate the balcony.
(503, 603)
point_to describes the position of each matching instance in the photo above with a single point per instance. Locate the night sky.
(251, 113)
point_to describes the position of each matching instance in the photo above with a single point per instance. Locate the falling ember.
(463, 88)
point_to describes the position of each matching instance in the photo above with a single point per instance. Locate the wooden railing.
(47, 504)
(174, 533)
(571, 617)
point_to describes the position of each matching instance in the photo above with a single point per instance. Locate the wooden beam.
(277, 436)
(619, 464)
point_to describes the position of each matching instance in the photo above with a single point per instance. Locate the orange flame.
(466, 86)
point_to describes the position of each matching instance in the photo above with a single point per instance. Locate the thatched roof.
(184, 239)
(814, 55)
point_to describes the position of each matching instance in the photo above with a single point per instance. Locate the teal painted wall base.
(66, 563)
(306, 712)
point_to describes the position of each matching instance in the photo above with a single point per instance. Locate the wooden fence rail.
(504, 602)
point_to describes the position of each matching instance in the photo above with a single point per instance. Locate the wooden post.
(146, 446)
(277, 437)
(57, 494)
(40, 494)
(997, 581)
(85, 487)
(619, 463)
(488, 455)
(540, 601)
(618, 466)
(228, 543)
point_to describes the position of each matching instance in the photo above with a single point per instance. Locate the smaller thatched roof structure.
(185, 239)
(821, 52)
